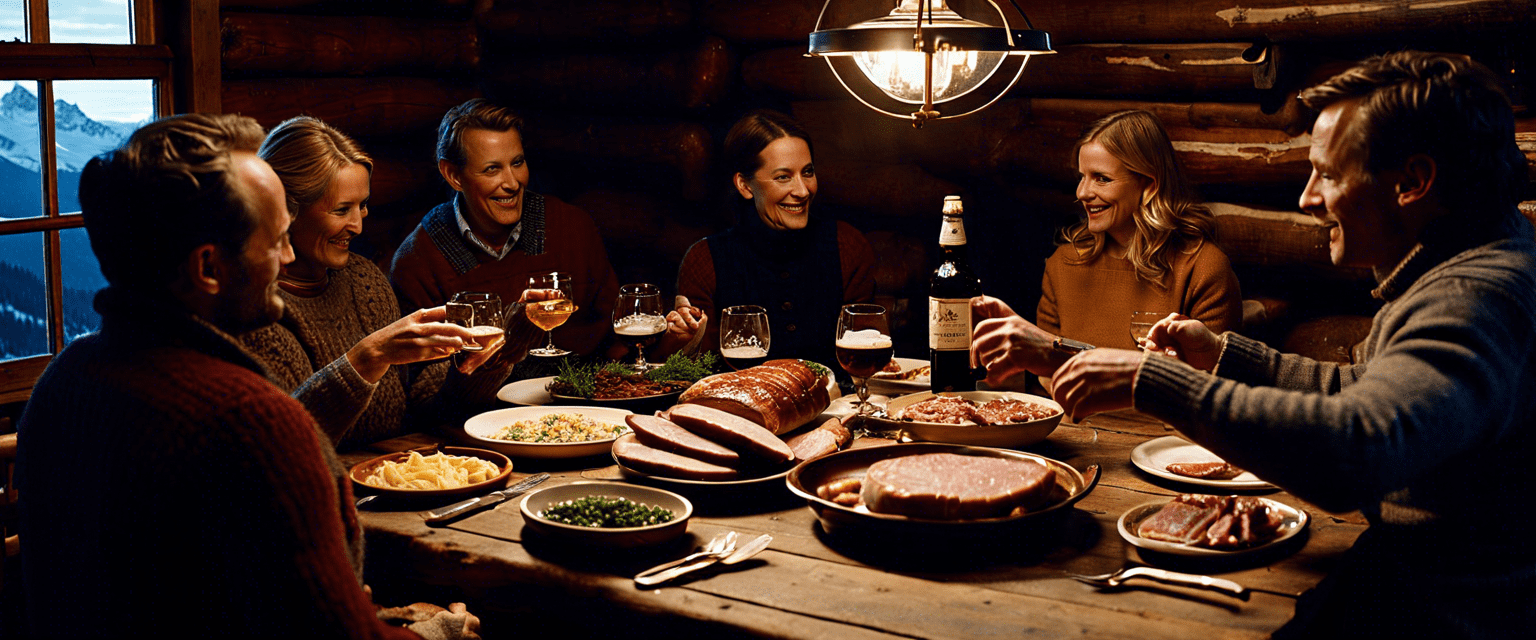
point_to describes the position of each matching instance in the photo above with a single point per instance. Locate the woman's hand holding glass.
(424, 334)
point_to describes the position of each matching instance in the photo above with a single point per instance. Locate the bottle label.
(952, 233)
(949, 324)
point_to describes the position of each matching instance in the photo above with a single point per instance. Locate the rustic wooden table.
(809, 584)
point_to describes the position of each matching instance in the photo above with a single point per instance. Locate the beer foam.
(864, 339)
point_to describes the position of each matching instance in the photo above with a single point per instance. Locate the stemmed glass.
(481, 314)
(1141, 326)
(639, 319)
(864, 346)
(551, 312)
(744, 336)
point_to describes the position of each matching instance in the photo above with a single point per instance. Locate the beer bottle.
(950, 292)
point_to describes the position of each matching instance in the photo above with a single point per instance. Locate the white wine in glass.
(481, 314)
(1141, 326)
(744, 336)
(551, 312)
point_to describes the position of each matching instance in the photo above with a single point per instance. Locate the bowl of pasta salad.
(548, 432)
(444, 472)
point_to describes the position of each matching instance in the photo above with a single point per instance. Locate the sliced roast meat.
(744, 436)
(825, 439)
(629, 451)
(1205, 470)
(665, 435)
(947, 486)
(1183, 520)
(779, 395)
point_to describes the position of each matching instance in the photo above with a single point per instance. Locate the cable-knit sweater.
(306, 353)
(165, 484)
(1431, 437)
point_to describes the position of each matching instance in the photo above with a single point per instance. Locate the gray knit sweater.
(306, 351)
(1431, 437)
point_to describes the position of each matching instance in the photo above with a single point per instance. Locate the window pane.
(20, 151)
(13, 20)
(92, 117)
(82, 279)
(23, 299)
(94, 21)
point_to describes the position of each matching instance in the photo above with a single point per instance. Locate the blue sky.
(96, 21)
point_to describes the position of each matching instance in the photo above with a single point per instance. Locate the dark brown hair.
(168, 190)
(751, 134)
(1446, 106)
(478, 113)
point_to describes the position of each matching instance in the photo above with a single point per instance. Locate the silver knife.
(457, 509)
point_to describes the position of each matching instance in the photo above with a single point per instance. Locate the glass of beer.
(481, 314)
(639, 319)
(744, 336)
(551, 312)
(864, 346)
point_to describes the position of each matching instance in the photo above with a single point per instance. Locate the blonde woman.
(1145, 244)
(341, 347)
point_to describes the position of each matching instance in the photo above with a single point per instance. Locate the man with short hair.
(166, 486)
(1415, 174)
(495, 232)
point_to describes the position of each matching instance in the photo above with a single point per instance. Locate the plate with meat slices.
(700, 446)
(978, 418)
(1177, 459)
(902, 375)
(1207, 525)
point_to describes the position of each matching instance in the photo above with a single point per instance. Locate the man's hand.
(1008, 345)
(685, 322)
(1188, 340)
(421, 335)
(1096, 381)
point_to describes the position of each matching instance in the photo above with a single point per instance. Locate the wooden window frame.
(176, 45)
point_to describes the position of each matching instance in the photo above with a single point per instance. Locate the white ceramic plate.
(893, 388)
(1154, 456)
(480, 428)
(1293, 522)
(528, 393)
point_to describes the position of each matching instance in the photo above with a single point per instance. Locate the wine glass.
(481, 314)
(639, 319)
(551, 312)
(744, 336)
(1141, 325)
(864, 346)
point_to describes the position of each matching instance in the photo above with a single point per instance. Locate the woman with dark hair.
(776, 256)
(341, 333)
(1145, 244)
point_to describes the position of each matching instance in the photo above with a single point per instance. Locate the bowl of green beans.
(610, 514)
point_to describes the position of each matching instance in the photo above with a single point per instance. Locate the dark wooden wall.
(627, 103)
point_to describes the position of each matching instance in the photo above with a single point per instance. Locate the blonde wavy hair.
(306, 153)
(1171, 217)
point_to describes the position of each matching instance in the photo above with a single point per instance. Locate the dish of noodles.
(560, 427)
(548, 432)
(448, 471)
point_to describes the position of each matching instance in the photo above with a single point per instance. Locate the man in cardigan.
(1416, 174)
(495, 233)
(165, 484)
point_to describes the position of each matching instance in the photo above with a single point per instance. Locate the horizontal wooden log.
(946, 148)
(372, 7)
(359, 106)
(292, 44)
(43, 61)
(1208, 71)
(586, 150)
(598, 24)
(633, 223)
(892, 190)
(695, 78)
(1140, 21)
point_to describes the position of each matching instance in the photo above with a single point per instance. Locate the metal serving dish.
(1016, 434)
(1071, 486)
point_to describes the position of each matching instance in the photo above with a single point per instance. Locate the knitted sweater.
(435, 261)
(1431, 437)
(1093, 301)
(306, 354)
(165, 484)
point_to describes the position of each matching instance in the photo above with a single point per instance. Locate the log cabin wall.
(627, 103)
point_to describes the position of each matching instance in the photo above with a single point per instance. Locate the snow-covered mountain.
(77, 137)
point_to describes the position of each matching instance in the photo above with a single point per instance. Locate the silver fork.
(1113, 580)
(719, 547)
